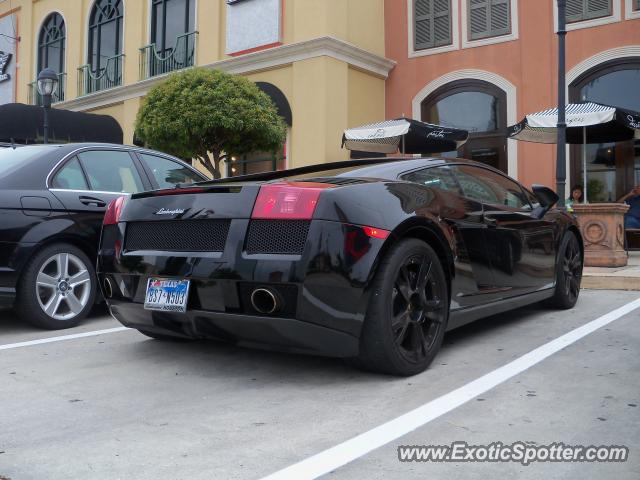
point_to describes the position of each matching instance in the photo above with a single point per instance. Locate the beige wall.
(326, 94)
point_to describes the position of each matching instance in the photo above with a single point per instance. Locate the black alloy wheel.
(417, 308)
(569, 273)
(408, 311)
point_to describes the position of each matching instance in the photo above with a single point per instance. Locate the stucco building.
(324, 58)
(484, 64)
(335, 64)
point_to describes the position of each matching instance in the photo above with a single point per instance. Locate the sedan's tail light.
(112, 215)
(288, 201)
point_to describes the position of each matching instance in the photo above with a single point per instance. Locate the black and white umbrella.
(587, 122)
(404, 135)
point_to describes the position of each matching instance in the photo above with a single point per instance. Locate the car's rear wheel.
(408, 311)
(568, 273)
(57, 288)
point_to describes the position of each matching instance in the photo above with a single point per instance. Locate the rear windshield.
(13, 159)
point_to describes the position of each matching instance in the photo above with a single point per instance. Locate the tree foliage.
(209, 115)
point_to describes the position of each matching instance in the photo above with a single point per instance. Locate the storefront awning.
(23, 124)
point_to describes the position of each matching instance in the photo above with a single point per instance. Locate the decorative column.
(602, 228)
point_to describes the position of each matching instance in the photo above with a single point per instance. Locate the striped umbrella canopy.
(587, 122)
(404, 135)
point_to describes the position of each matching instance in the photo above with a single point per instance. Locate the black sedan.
(52, 201)
(371, 260)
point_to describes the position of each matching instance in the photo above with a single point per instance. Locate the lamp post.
(47, 84)
(561, 157)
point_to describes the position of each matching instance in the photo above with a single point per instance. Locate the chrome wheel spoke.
(53, 304)
(79, 278)
(62, 262)
(74, 304)
(47, 281)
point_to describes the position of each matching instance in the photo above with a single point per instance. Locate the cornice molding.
(250, 63)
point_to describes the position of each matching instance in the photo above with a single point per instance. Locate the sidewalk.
(617, 278)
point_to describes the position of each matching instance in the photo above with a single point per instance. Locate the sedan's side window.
(168, 173)
(111, 171)
(438, 177)
(489, 187)
(70, 177)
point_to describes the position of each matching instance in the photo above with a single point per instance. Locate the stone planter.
(602, 227)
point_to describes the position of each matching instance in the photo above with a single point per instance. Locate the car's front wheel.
(57, 288)
(408, 311)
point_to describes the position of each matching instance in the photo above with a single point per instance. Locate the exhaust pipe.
(265, 301)
(108, 288)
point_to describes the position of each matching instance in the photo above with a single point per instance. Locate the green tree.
(209, 115)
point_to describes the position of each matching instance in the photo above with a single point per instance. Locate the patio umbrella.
(587, 122)
(404, 135)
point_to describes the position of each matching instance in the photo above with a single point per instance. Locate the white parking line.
(346, 452)
(61, 338)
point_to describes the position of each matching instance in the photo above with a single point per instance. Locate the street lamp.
(47, 84)
(561, 157)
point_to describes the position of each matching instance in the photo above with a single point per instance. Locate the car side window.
(70, 177)
(438, 177)
(489, 187)
(111, 171)
(168, 173)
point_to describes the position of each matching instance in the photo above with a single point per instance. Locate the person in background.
(577, 196)
(632, 217)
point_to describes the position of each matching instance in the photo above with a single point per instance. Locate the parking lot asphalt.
(121, 406)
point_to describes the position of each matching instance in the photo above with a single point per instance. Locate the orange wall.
(530, 63)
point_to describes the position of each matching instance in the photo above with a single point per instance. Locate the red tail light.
(290, 201)
(375, 232)
(112, 215)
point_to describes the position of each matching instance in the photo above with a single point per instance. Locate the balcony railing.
(58, 95)
(107, 77)
(182, 55)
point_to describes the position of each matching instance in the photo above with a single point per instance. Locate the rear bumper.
(324, 289)
(271, 333)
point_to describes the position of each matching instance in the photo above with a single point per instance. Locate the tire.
(568, 273)
(405, 324)
(57, 288)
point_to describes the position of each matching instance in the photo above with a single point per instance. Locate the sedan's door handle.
(91, 201)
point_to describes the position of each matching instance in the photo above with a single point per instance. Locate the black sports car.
(368, 259)
(52, 201)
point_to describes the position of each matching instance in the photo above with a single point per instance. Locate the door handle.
(91, 201)
(491, 222)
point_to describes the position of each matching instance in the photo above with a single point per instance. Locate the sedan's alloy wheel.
(63, 286)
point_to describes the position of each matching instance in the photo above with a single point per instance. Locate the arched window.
(169, 20)
(51, 44)
(612, 168)
(105, 36)
(479, 107)
(173, 38)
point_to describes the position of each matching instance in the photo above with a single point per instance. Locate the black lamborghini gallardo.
(371, 260)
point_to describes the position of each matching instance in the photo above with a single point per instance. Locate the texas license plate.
(166, 295)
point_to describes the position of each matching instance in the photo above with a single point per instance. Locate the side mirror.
(547, 198)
